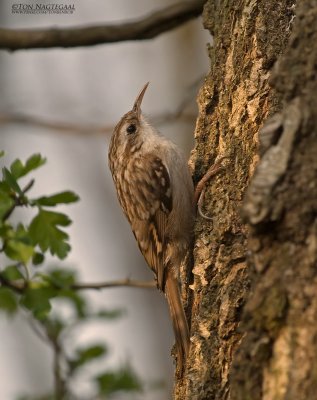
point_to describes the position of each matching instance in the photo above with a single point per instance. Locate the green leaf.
(5, 230)
(6, 202)
(2, 153)
(11, 181)
(38, 258)
(12, 273)
(45, 232)
(121, 380)
(4, 187)
(87, 354)
(37, 300)
(60, 278)
(76, 299)
(34, 162)
(19, 246)
(8, 301)
(17, 168)
(18, 251)
(59, 198)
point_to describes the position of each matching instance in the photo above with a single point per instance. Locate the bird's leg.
(201, 185)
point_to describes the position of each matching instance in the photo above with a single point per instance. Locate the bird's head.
(132, 131)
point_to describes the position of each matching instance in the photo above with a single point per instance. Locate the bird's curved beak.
(137, 104)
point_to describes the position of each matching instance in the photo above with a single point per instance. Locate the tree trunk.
(253, 300)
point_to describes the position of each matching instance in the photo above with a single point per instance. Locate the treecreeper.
(155, 190)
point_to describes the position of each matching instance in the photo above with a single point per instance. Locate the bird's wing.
(152, 203)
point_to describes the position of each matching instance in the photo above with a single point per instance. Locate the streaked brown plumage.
(155, 191)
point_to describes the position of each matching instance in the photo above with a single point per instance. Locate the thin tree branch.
(145, 28)
(18, 201)
(20, 287)
(119, 283)
(59, 382)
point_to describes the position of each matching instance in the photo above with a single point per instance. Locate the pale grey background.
(95, 85)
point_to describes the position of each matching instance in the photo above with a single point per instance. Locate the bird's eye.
(131, 128)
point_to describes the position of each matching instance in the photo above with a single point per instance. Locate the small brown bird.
(155, 191)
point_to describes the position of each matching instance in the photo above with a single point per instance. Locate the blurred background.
(95, 86)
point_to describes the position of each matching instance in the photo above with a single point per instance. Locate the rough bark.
(277, 359)
(234, 102)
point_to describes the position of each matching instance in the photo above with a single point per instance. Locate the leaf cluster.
(27, 286)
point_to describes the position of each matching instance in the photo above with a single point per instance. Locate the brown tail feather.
(179, 321)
